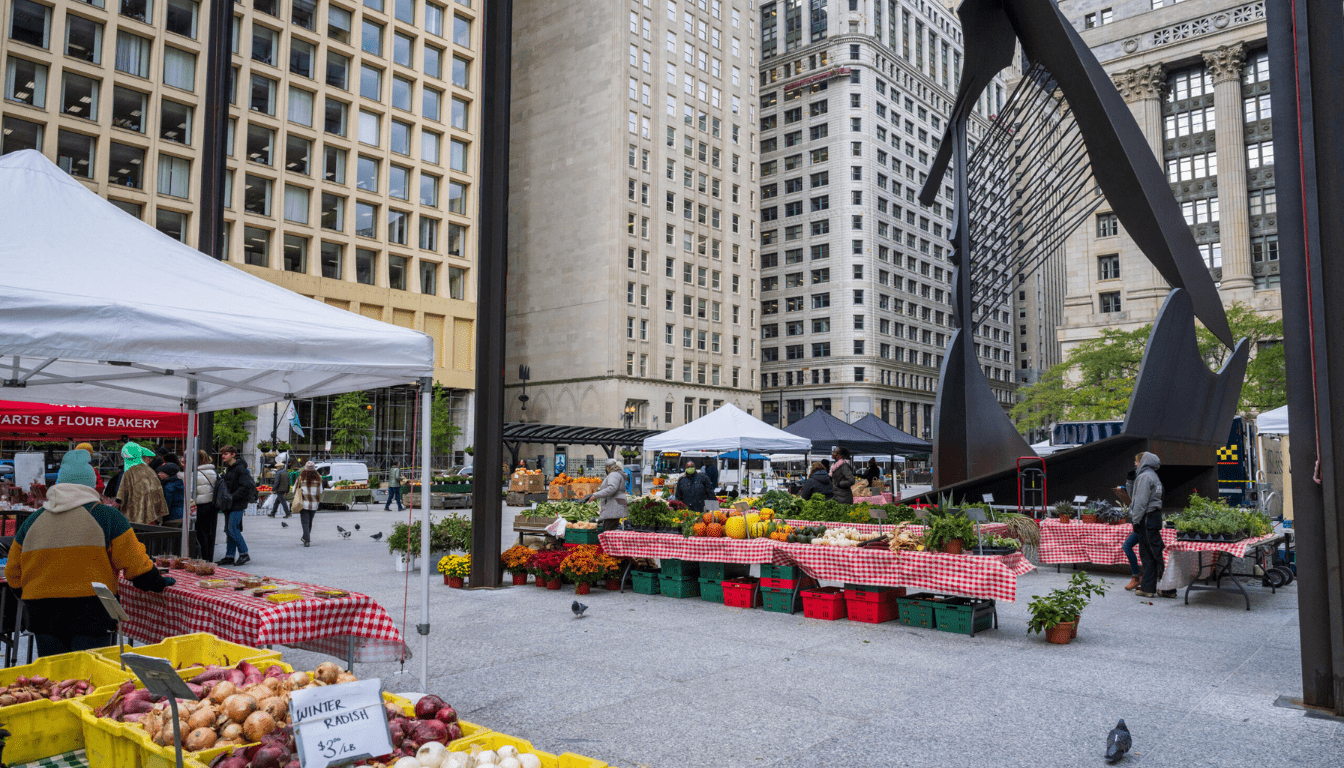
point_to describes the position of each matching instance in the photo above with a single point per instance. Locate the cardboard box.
(527, 484)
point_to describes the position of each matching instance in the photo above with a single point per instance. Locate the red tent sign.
(25, 420)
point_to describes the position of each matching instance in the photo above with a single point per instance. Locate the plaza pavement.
(664, 683)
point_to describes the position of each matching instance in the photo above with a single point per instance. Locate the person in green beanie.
(72, 541)
(140, 493)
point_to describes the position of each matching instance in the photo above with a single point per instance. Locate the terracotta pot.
(613, 584)
(1061, 633)
(582, 589)
(1089, 518)
(454, 581)
(519, 579)
(553, 584)
(952, 547)
(541, 581)
(1065, 519)
(1073, 630)
(445, 579)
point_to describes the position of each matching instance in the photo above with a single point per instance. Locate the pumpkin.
(735, 528)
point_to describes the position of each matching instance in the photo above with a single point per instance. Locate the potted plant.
(514, 560)
(455, 568)
(1050, 614)
(548, 564)
(614, 573)
(1080, 591)
(1063, 510)
(646, 514)
(948, 533)
(585, 564)
(1088, 515)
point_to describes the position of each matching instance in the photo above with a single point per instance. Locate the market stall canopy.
(100, 309)
(1273, 422)
(826, 432)
(40, 420)
(744, 454)
(871, 423)
(728, 428)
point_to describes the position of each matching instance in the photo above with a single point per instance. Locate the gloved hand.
(169, 581)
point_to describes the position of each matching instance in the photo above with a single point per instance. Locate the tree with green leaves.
(441, 427)
(1097, 377)
(352, 422)
(231, 427)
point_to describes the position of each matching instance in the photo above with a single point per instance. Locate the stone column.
(1224, 66)
(1142, 89)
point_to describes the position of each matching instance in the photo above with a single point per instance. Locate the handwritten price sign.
(337, 724)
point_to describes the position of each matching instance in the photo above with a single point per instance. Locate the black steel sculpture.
(1179, 408)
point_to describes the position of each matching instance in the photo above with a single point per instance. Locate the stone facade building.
(856, 277)
(633, 233)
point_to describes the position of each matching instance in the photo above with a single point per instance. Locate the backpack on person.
(223, 496)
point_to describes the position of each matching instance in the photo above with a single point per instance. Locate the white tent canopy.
(728, 428)
(102, 310)
(99, 309)
(1273, 422)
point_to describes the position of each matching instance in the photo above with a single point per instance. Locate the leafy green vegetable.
(572, 511)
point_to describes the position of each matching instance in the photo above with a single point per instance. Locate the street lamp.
(629, 414)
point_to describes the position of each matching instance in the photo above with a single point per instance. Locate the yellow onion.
(203, 716)
(221, 691)
(198, 739)
(327, 672)
(276, 684)
(299, 679)
(276, 707)
(258, 724)
(232, 731)
(239, 706)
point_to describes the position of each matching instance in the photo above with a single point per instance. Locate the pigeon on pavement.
(578, 609)
(377, 536)
(344, 533)
(283, 524)
(356, 526)
(1118, 742)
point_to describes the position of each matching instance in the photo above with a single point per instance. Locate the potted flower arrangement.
(948, 533)
(614, 573)
(1057, 613)
(547, 565)
(1063, 510)
(584, 565)
(455, 568)
(514, 560)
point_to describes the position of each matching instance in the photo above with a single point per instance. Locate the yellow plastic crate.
(494, 740)
(45, 728)
(196, 650)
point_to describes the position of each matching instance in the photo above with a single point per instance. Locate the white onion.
(487, 756)
(529, 760)
(455, 760)
(508, 750)
(406, 762)
(431, 754)
(510, 762)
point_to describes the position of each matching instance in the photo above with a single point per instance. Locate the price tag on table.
(337, 724)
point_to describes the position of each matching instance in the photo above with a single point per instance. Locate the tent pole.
(426, 403)
(189, 467)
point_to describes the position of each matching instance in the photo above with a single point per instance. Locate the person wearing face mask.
(842, 476)
(693, 489)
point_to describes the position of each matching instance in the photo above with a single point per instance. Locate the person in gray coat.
(611, 494)
(842, 476)
(1145, 512)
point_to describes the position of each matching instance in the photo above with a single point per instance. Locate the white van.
(335, 471)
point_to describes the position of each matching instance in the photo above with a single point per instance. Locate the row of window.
(700, 370)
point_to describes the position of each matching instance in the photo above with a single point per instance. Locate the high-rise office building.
(856, 279)
(350, 141)
(633, 294)
(1196, 76)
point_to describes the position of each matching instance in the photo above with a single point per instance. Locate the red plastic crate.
(825, 603)
(742, 593)
(866, 594)
(802, 581)
(872, 613)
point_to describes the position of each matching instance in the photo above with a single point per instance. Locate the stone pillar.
(1224, 66)
(1142, 89)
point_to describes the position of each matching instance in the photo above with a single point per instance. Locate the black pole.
(1305, 39)
(492, 267)
(218, 58)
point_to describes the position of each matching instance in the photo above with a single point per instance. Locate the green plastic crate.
(645, 582)
(581, 536)
(783, 600)
(769, 571)
(680, 569)
(711, 590)
(915, 612)
(679, 587)
(721, 571)
(955, 615)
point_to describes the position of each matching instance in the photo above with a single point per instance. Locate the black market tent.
(607, 438)
(826, 432)
(906, 442)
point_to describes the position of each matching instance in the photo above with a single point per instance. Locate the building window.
(1265, 249)
(332, 261)
(179, 71)
(366, 266)
(429, 235)
(396, 272)
(295, 255)
(26, 82)
(1108, 267)
(83, 39)
(457, 283)
(256, 246)
(366, 219)
(30, 23)
(171, 223)
(256, 193)
(1110, 302)
(75, 153)
(1108, 225)
(333, 212)
(296, 204)
(20, 134)
(125, 166)
(336, 115)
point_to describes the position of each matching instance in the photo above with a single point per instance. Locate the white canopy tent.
(100, 309)
(728, 428)
(1273, 422)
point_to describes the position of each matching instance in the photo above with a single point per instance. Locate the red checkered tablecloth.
(1079, 542)
(241, 618)
(984, 577)
(1233, 548)
(986, 529)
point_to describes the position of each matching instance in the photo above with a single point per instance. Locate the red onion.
(446, 715)
(428, 705)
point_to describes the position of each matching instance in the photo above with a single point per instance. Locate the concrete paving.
(664, 683)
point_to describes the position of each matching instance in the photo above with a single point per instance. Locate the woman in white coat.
(207, 517)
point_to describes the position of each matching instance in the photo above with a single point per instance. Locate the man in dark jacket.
(280, 487)
(1145, 512)
(693, 489)
(173, 489)
(243, 491)
(818, 482)
(842, 476)
(711, 468)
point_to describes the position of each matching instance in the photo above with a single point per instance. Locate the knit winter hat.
(169, 469)
(75, 469)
